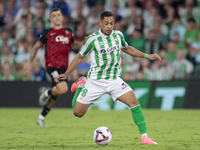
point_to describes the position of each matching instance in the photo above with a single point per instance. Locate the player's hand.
(61, 77)
(154, 56)
(27, 68)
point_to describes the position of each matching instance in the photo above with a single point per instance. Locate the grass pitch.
(173, 130)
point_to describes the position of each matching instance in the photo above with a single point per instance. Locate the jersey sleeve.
(87, 46)
(43, 37)
(123, 42)
(72, 35)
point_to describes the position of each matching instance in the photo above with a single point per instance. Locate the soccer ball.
(102, 135)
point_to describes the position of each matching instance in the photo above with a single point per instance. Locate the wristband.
(146, 56)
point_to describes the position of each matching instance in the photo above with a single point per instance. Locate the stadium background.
(167, 27)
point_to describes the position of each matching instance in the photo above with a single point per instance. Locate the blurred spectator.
(144, 64)
(194, 51)
(182, 68)
(149, 16)
(138, 24)
(171, 14)
(83, 67)
(160, 72)
(152, 46)
(179, 45)
(63, 6)
(192, 33)
(5, 39)
(30, 17)
(137, 41)
(11, 12)
(163, 27)
(2, 15)
(139, 76)
(45, 6)
(39, 73)
(132, 10)
(127, 76)
(11, 9)
(21, 28)
(7, 56)
(22, 76)
(166, 64)
(39, 28)
(8, 74)
(24, 11)
(177, 27)
(189, 10)
(119, 3)
(92, 20)
(150, 3)
(80, 33)
(160, 38)
(40, 16)
(20, 57)
(117, 17)
(171, 52)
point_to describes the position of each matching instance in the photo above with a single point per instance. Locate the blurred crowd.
(170, 28)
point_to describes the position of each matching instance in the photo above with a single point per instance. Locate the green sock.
(76, 96)
(138, 118)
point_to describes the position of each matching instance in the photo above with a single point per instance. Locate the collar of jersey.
(103, 35)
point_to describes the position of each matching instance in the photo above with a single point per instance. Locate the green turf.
(173, 130)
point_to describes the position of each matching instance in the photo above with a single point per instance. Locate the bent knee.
(77, 114)
(133, 103)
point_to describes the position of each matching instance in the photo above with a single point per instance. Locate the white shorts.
(94, 89)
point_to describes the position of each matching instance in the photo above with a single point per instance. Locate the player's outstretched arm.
(76, 61)
(34, 51)
(134, 52)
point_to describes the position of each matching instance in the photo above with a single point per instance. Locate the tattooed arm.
(34, 51)
(76, 46)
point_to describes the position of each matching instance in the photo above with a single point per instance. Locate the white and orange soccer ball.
(102, 135)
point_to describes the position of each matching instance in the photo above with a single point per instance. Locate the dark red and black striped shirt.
(57, 46)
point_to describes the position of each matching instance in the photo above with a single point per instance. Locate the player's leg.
(80, 109)
(125, 94)
(49, 97)
(86, 94)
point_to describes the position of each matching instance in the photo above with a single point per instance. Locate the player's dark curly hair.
(106, 14)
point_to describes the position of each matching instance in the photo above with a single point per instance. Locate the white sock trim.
(144, 134)
(134, 106)
(41, 117)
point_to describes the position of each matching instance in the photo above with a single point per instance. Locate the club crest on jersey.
(66, 31)
(103, 51)
(63, 39)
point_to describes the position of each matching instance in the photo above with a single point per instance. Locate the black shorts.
(54, 72)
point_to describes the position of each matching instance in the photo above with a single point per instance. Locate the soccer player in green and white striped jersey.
(104, 47)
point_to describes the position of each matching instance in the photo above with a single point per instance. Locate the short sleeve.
(87, 46)
(72, 39)
(43, 37)
(123, 42)
(72, 35)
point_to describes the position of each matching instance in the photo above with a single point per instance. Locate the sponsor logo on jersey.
(103, 51)
(63, 39)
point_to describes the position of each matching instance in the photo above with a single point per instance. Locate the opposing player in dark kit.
(57, 41)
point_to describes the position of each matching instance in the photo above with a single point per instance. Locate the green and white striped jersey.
(104, 54)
